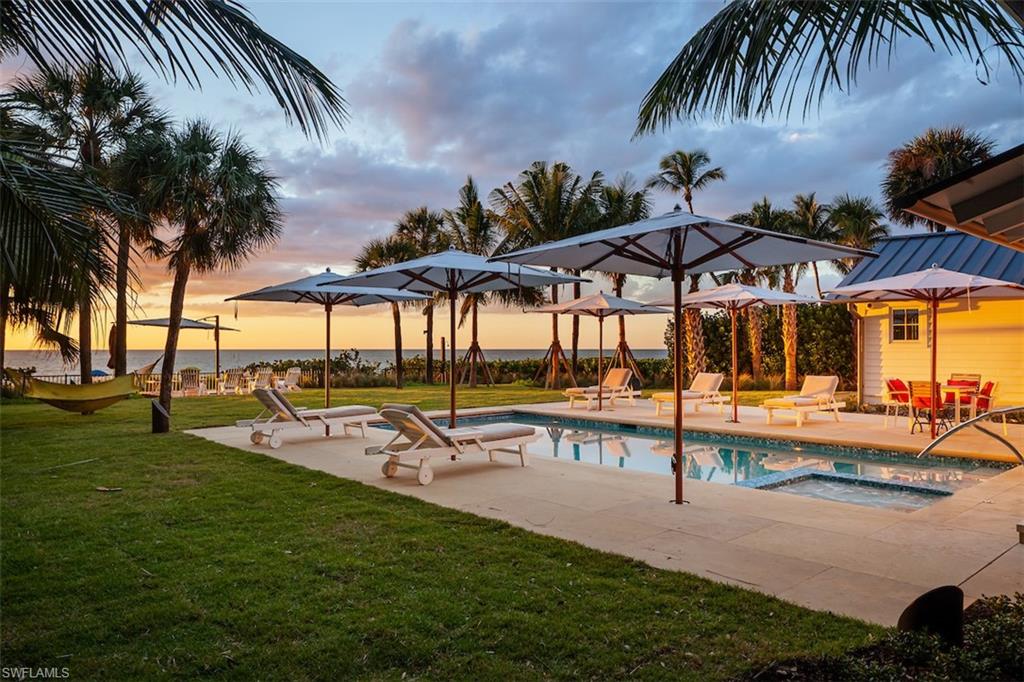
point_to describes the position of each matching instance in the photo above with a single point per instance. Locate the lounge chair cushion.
(492, 432)
(341, 412)
(592, 390)
(793, 401)
(668, 396)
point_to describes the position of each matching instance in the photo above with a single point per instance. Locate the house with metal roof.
(981, 336)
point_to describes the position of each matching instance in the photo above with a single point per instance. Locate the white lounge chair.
(290, 382)
(704, 389)
(816, 395)
(417, 439)
(616, 385)
(279, 414)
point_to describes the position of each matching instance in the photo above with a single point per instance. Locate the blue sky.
(439, 91)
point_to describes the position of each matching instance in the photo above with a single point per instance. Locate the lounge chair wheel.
(425, 475)
(389, 469)
(275, 441)
(255, 437)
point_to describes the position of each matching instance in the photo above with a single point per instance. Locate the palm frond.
(755, 57)
(177, 39)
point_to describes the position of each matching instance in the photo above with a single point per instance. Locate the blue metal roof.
(949, 250)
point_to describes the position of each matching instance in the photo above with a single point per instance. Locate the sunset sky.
(440, 91)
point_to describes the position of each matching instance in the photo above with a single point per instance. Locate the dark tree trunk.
(121, 303)
(473, 345)
(181, 273)
(85, 336)
(429, 312)
(396, 315)
(575, 333)
(5, 303)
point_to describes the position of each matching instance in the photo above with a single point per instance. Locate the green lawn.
(218, 561)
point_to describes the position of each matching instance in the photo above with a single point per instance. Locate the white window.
(905, 324)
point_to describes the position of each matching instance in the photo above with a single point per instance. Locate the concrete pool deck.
(858, 561)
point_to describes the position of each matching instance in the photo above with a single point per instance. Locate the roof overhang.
(986, 201)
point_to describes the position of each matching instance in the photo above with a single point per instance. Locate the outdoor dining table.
(959, 391)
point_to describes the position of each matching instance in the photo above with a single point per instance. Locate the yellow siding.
(987, 339)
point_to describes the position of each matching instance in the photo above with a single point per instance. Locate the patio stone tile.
(986, 519)
(692, 519)
(1005, 575)
(858, 595)
(943, 538)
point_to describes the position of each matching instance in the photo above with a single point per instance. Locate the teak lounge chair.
(816, 395)
(418, 439)
(616, 385)
(703, 390)
(283, 415)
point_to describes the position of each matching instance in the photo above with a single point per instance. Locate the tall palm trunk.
(5, 300)
(754, 334)
(396, 315)
(576, 331)
(694, 330)
(474, 342)
(789, 331)
(622, 318)
(121, 302)
(85, 336)
(429, 312)
(555, 344)
(181, 274)
(817, 280)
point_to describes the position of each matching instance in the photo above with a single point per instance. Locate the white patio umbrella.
(736, 298)
(311, 290)
(187, 323)
(674, 245)
(600, 305)
(930, 286)
(454, 272)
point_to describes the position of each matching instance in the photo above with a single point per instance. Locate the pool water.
(892, 480)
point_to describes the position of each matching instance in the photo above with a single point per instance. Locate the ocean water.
(50, 363)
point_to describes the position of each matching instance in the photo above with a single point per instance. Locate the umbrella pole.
(735, 366)
(935, 351)
(327, 361)
(677, 385)
(600, 360)
(216, 349)
(453, 295)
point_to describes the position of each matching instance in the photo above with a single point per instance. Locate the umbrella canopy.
(454, 272)
(600, 305)
(185, 324)
(315, 289)
(674, 245)
(734, 298)
(930, 286)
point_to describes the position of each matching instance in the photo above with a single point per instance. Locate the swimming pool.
(875, 478)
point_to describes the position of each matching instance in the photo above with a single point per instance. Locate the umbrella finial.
(328, 269)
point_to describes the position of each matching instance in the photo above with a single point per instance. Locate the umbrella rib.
(726, 248)
(717, 241)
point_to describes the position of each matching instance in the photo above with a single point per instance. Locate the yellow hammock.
(83, 398)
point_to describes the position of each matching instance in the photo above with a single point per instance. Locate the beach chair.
(816, 395)
(291, 379)
(704, 389)
(279, 415)
(616, 385)
(897, 395)
(417, 439)
(233, 381)
(263, 378)
(192, 382)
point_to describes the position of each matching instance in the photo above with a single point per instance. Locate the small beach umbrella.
(454, 272)
(675, 245)
(931, 287)
(312, 290)
(736, 298)
(186, 323)
(601, 306)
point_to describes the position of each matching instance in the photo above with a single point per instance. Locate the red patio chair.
(985, 401)
(921, 404)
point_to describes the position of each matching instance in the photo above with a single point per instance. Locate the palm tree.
(91, 115)
(762, 214)
(424, 230)
(858, 223)
(683, 172)
(214, 192)
(471, 229)
(622, 203)
(936, 155)
(753, 58)
(545, 204)
(811, 220)
(378, 253)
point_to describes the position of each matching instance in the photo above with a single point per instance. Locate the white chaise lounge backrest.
(707, 382)
(277, 404)
(819, 386)
(618, 378)
(410, 421)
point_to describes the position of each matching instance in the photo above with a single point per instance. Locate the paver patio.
(858, 561)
